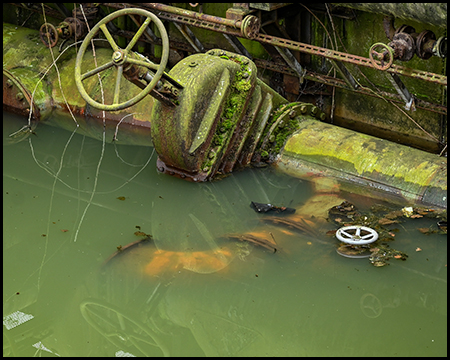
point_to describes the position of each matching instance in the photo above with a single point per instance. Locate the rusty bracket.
(249, 28)
(352, 59)
(292, 62)
(332, 81)
(190, 37)
(346, 75)
(402, 91)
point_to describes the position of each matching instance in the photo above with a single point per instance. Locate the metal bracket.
(343, 71)
(237, 45)
(402, 91)
(190, 37)
(292, 62)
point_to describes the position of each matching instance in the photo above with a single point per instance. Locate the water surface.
(189, 290)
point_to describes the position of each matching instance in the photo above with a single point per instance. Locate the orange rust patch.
(204, 262)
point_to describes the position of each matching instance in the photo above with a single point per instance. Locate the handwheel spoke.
(109, 37)
(117, 89)
(368, 236)
(146, 64)
(138, 34)
(347, 234)
(97, 70)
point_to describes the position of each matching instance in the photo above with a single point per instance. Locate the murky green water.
(189, 291)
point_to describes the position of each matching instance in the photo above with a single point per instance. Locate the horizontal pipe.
(377, 166)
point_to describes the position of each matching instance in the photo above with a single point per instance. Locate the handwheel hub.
(118, 57)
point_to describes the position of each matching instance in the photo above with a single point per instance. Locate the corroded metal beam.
(233, 27)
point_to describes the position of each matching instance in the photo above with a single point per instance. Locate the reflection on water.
(190, 288)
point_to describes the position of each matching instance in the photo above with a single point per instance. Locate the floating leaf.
(140, 233)
(393, 214)
(385, 221)
(121, 198)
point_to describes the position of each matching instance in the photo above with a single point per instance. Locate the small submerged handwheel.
(122, 59)
(385, 63)
(357, 235)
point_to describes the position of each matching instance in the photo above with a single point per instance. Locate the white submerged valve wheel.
(357, 235)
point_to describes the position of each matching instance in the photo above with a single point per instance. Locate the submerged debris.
(343, 214)
(378, 252)
(296, 222)
(255, 240)
(381, 254)
(263, 208)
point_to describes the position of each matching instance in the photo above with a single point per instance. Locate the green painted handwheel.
(121, 59)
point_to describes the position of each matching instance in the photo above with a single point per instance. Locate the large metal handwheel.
(122, 59)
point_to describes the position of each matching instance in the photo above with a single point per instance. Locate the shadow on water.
(189, 286)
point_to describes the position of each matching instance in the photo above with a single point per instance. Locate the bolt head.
(117, 56)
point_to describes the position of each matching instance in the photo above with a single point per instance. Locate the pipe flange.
(404, 46)
(77, 28)
(424, 44)
(440, 47)
(250, 27)
(357, 235)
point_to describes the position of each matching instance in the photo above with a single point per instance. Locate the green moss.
(234, 105)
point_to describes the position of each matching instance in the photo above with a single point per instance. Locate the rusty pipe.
(388, 26)
(195, 15)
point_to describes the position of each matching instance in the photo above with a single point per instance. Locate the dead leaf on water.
(121, 198)
(385, 221)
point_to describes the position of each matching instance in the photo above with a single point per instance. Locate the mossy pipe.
(379, 166)
(29, 61)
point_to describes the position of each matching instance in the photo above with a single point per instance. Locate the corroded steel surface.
(230, 27)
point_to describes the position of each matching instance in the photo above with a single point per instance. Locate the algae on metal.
(374, 114)
(413, 173)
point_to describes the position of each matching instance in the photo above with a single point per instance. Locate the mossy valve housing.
(222, 112)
